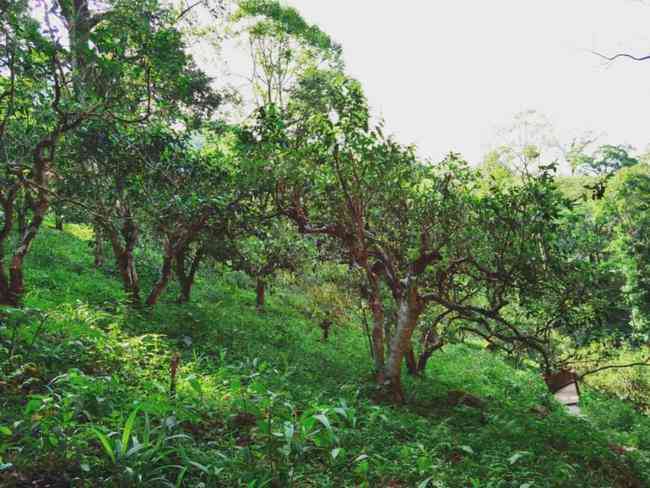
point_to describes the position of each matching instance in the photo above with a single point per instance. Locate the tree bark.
(186, 277)
(431, 343)
(410, 308)
(8, 202)
(124, 258)
(129, 274)
(21, 220)
(260, 289)
(378, 320)
(411, 363)
(22, 211)
(39, 209)
(165, 275)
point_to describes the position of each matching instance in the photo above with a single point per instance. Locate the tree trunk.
(410, 308)
(260, 292)
(377, 312)
(165, 275)
(130, 279)
(21, 220)
(431, 343)
(6, 297)
(325, 326)
(16, 278)
(411, 363)
(378, 337)
(58, 221)
(186, 277)
(21, 215)
(125, 260)
(98, 251)
(8, 202)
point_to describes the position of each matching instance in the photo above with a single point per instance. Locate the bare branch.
(622, 55)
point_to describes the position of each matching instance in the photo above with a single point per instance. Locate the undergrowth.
(260, 400)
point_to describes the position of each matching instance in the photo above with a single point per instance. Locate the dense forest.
(245, 281)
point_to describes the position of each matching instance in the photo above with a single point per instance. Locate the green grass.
(261, 401)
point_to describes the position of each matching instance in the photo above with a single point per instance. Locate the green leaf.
(517, 456)
(128, 428)
(106, 444)
(467, 449)
(425, 483)
(323, 420)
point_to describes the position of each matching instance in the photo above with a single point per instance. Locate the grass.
(261, 401)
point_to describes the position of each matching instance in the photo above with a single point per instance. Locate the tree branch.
(622, 55)
(616, 366)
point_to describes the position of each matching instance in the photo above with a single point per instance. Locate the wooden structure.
(565, 388)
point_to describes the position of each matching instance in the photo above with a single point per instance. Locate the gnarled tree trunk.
(431, 342)
(410, 309)
(124, 257)
(184, 275)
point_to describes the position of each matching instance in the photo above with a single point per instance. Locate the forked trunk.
(410, 308)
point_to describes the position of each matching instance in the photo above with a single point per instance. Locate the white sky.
(446, 74)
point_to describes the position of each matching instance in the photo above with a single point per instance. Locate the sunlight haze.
(447, 74)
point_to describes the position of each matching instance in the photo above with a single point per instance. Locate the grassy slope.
(262, 402)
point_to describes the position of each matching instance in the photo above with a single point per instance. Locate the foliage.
(110, 133)
(260, 399)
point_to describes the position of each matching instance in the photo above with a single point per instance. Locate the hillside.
(262, 401)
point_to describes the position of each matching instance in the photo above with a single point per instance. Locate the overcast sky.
(446, 74)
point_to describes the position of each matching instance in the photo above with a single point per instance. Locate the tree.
(625, 206)
(607, 160)
(195, 196)
(269, 247)
(318, 162)
(37, 111)
(526, 143)
(282, 47)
